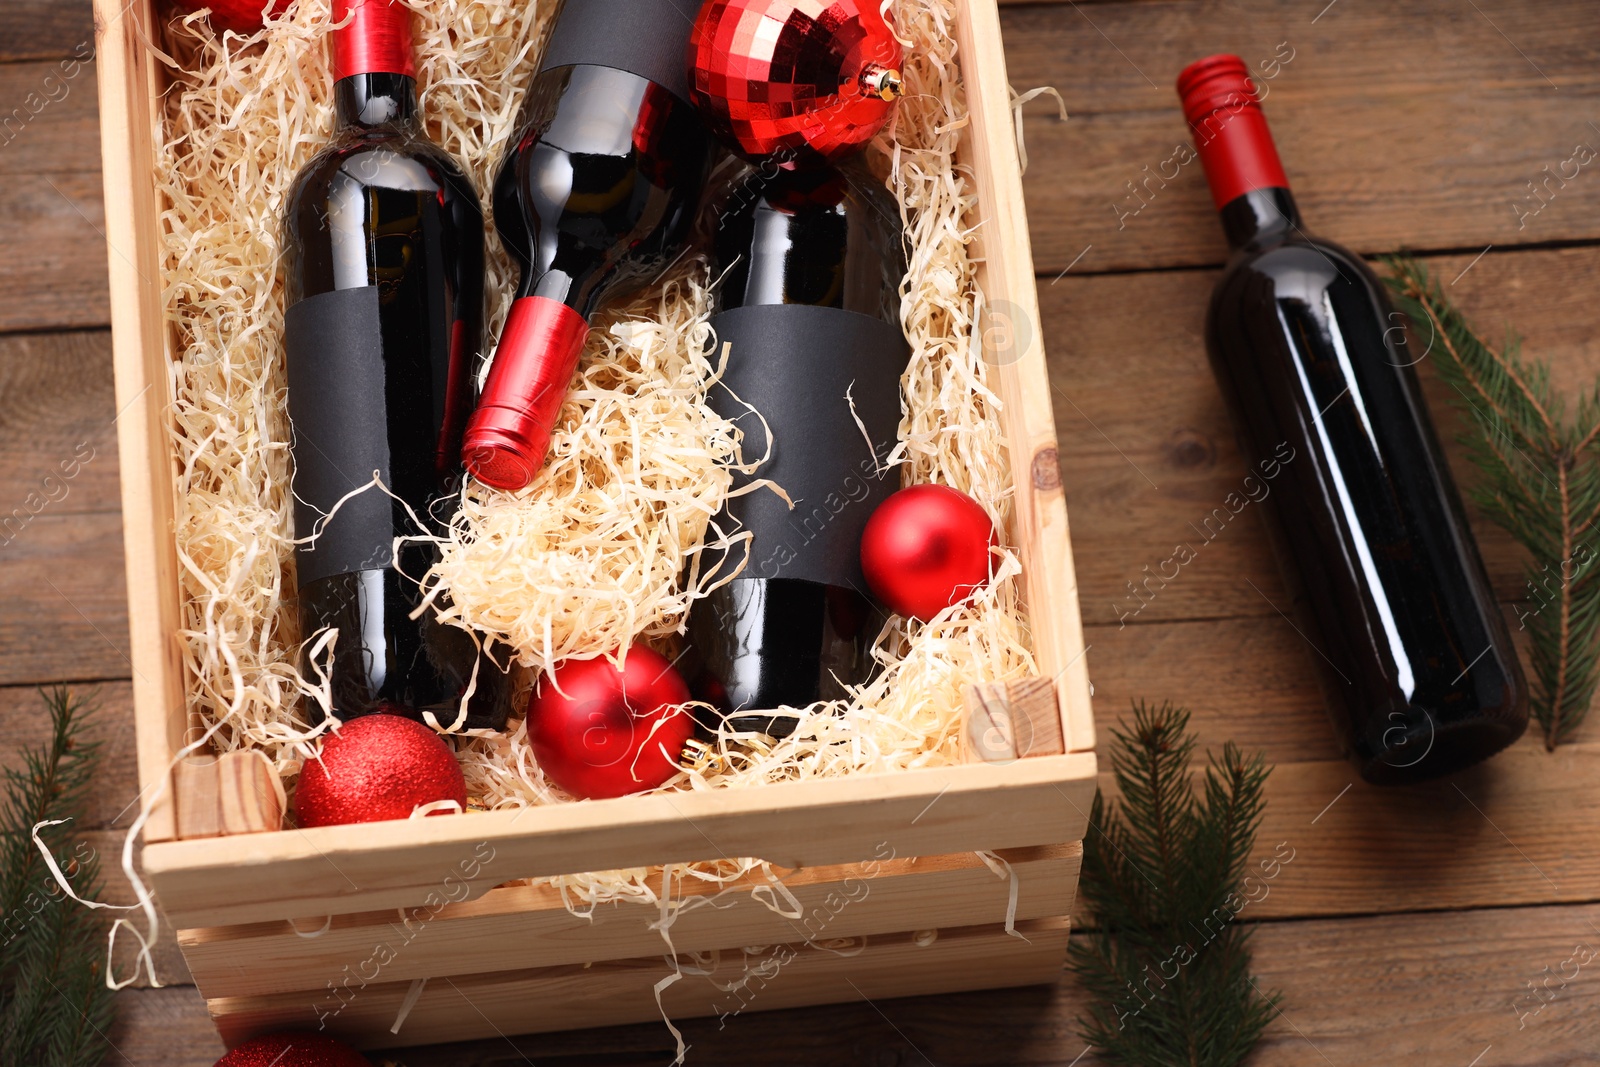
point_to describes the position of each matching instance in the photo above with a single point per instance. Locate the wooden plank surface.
(44, 29)
(1436, 989)
(1401, 126)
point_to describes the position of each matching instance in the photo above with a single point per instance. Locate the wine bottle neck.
(1260, 216)
(375, 101)
(1230, 131)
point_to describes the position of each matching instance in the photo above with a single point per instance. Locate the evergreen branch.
(1166, 966)
(54, 1004)
(1545, 492)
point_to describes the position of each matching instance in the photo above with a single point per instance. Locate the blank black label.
(334, 346)
(795, 364)
(649, 38)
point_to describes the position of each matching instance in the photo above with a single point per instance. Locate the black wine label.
(649, 38)
(338, 410)
(803, 369)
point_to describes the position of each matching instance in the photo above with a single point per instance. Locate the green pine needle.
(1539, 479)
(1166, 966)
(54, 1004)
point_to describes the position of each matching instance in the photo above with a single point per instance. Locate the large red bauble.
(294, 1049)
(240, 16)
(590, 725)
(925, 548)
(374, 768)
(794, 81)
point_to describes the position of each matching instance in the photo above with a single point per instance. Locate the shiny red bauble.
(240, 16)
(294, 1049)
(794, 81)
(594, 729)
(375, 768)
(925, 548)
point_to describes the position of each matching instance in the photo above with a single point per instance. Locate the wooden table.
(1411, 922)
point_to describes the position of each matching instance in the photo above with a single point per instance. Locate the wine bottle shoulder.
(830, 240)
(380, 161)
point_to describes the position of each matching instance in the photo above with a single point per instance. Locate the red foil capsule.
(1229, 127)
(377, 39)
(795, 81)
(509, 434)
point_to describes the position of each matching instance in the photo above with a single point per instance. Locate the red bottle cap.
(509, 434)
(1229, 128)
(377, 39)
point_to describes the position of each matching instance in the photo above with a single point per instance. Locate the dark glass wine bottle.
(1419, 672)
(809, 313)
(382, 334)
(596, 196)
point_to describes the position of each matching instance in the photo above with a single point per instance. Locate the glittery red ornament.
(594, 729)
(294, 1049)
(794, 81)
(240, 16)
(374, 768)
(925, 548)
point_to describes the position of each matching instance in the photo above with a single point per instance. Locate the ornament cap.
(882, 82)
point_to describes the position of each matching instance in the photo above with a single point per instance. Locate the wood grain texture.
(57, 438)
(557, 998)
(65, 606)
(337, 870)
(1005, 276)
(531, 924)
(1414, 990)
(50, 188)
(44, 29)
(131, 82)
(1415, 125)
(56, 277)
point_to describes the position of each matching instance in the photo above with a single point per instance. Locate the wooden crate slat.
(336, 870)
(562, 998)
(516, 923)
(1014, 347)
(129, 86)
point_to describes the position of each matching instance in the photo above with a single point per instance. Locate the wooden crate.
(339, 926)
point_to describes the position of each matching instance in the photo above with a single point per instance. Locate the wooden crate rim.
(131, 83)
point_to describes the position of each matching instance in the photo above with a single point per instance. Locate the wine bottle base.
(1430, 751)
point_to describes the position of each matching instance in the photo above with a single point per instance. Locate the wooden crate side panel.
(607, 994)
(1005, 274)
(337, 870)
(129, 86)
(529, 925)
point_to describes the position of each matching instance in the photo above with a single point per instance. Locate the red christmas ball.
(240, 16)
(925, 548)
(294, 1049)
(374, 768)
(594, 729)
(794, 81)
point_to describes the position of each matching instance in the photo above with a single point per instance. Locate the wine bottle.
(1418, 669)
(596, 196)
(384, 326)
(808, 314)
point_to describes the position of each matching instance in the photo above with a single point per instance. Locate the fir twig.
(1540, 481)
(54, 1004)
(1166, 966)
